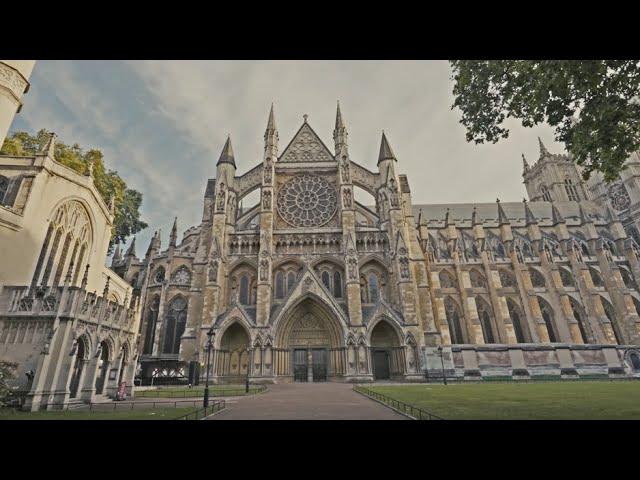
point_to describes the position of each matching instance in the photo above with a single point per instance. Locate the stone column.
(14, 83)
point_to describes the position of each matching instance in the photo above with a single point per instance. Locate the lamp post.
(444, 375)
(246, 383)
(206, 382)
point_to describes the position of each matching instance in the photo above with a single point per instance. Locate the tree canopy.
(109, 184)
(593, 105)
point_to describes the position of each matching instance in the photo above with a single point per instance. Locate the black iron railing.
(410, 410)
(214, 406)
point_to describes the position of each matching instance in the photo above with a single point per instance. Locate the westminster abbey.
(312, 285)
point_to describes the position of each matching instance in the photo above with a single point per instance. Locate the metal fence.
(410, 410)
(199, 392)
(201, 413)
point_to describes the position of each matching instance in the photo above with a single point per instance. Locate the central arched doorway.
(386, 353)
(310, 344)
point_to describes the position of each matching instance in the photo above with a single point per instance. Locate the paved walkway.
(306, 401)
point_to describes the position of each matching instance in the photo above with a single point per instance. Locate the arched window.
(326, 281)
(485, 314)
(243, 297)
(279, 285)
(566, 277)
(611, 315)
(446, 280)
(337, 284)
(537, 279)
(546, 196)
(596, 277)
(507, 279)
(627, 278)
(374, 292)
(635, 361)
(516, 319)
(477, 279)
(152, 320)
(572, 191)
(454, 321)
(578, 314)
(182, 276)
(70, 225)
(547, 316)
(158, 276)
(4, 185)
(176, 322)
(291, 281)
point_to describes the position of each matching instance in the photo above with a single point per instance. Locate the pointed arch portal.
(309, 343)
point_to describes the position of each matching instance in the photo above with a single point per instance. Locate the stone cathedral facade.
(311, 285)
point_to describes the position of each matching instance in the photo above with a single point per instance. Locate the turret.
(340, 135)
(271, 137)
(226, 166)
(525, 166)
(173, 237)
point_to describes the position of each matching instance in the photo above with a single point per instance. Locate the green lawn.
(183, 392)
(85, 414)
(526, 401)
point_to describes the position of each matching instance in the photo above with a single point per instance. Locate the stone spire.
(174, 233)
(525, 165)
(50, 146)
(85, 277)
(117, 256)
(474, 217)
(227, 154)
(502, 217)
(154, 244)
(556, 217)
(529, 217)
(131, 251)
(340, 131)
(271, 135)
(105, 292)
(543, 150)
(446, 219)
(385, 150)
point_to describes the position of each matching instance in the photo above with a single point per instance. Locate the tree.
(7, 372)
(593, 105)
(109, 184)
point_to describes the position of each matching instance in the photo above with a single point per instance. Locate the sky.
(162, 124)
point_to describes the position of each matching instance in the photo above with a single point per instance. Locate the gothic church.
(312, 285)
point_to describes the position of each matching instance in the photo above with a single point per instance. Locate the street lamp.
(246, 383)
(444, 375)
(206, 383)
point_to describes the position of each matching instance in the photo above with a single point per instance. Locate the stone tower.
(553, 178)
(14, 82)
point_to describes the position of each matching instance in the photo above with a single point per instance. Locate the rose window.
(307, 201)
(619, 197)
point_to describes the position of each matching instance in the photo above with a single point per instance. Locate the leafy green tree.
(109, 184)
(593, 105)
(7, 372)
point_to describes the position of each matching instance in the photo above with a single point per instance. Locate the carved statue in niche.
(213, 271)
(353, 266)
(394, 199)
(344, 169)
(346, 197)
(404, 267)
(221, 197)
(266, 199)
(264, 270)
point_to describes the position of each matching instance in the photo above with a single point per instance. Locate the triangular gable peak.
(309, 283)
(306, 147)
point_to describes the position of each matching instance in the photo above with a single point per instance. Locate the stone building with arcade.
(310, 284)
(69, 322)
